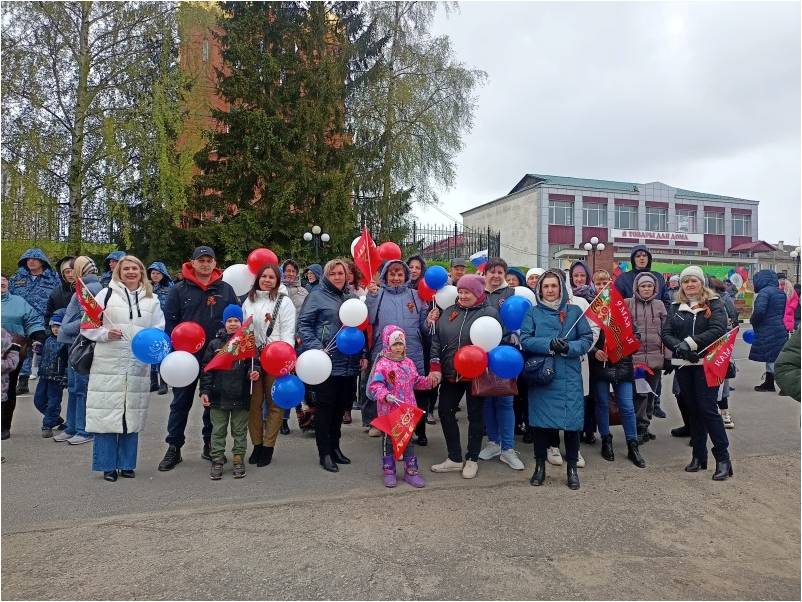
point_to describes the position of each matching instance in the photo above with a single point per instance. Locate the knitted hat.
(473, 283)
(692, 271)
(535, 272)
(397, 336)
(83, 266)
(644, 276)
(232, 311)
(674, 278)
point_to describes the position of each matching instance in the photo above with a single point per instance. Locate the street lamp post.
(593, 247)
(796, 254)
(319, 237)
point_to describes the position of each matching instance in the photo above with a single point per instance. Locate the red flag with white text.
(399, 425)
(611, 313)
(717, 358)
(241, 346)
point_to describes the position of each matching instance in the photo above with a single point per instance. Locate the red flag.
(399, 425)
(366, 255)
(717, 358)
(610, 312)
(241, 346)
(93, 313)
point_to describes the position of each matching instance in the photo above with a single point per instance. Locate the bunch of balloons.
(241, 276)
(175, 353)
(486, 350)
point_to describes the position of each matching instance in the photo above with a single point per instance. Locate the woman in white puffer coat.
(273, 320)
(119, 384)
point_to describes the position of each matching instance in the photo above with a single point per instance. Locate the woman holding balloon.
(320, 328)
(119, 382)
(273, 316)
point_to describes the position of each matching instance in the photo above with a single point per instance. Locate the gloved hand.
(692, 357)
(559, 346)
(682, 351)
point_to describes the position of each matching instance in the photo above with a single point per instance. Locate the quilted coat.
(34, 289)
(768, 312)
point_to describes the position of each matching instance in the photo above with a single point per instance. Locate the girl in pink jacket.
(792, 300)
(393, 381)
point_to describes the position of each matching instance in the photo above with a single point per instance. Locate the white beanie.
(535, 272)
(692, 271)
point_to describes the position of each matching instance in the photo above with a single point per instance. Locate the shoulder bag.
(491, 385)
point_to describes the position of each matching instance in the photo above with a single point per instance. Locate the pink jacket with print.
(399, 378)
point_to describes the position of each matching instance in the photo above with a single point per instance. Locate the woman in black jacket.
(696, 319)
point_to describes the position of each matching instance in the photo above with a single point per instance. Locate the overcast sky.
(702, 96)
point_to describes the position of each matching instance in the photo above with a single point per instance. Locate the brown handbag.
(490, 385)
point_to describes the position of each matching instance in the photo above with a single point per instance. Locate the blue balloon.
(513, 311)
(505, 361)
(749, 336)
(287, 391)
(151, 345)
(435, 277)
(350, 340)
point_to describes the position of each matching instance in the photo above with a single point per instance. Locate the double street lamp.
(594, 246)
(795, 254)
(319, 237)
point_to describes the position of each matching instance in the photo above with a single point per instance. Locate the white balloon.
(239, 277)
(486, 333)
(313, 366)
(737, 281)
(179, 368)
(353, 244)
(446, 296)
(353, 312)
(525, 291)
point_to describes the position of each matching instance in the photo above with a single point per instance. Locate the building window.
(686, 220)
(657, 219)
(741, 224)
(594, 215)
(626, 217)
(561, 213)
(205, 51)
(714, 222)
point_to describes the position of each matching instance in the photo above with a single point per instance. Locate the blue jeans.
(114, 451)
(76, 402)
(623, 395)
(179, 412)
(499, 417)
(47, 399)
(27, 363)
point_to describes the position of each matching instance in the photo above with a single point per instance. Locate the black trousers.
(703, 412)
(333, 396)
(520, 404)
(425, 400)
(8, 407)
(590, 408)
(179, 412)
(450, 395)
(545, 438)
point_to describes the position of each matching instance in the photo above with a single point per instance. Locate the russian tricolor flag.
(479, 259)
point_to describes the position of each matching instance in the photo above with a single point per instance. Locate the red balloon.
(188, 336)
(278, 358)
(259, 258)
(470, 361)
(389, 250)
(425, 291)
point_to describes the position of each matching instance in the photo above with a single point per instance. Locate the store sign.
(650, 235)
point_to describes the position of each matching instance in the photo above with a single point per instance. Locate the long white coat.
(119, 384)
(261, 308)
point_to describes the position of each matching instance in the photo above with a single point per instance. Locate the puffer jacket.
(53, 365)
(227, 389)
(60, 296)
(625, 281)
(317, 270)
(648, 316)
(10, 360)
(452, 331)
(319, 323)
(561, 403)
(787, 368)
(119, 384)
(791, 307)
(394, 377)
(71, 323)
(107, 271)
(497, 297)
(18, 317)
(693, 326)
(34, 289)
(262, 308)
(161, 290)
(400, 306)
(768, 314)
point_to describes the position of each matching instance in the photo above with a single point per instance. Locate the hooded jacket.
(518, 274)
(561, 403)
(18, 317)
(319, 323)
(60, 296)
(191, 300)
(414, 283)
(295, 290)
(395, 377)
(768, 312)
(34, 289)
(317, 270)
(107, 271)
(53, 365)
(262, 308)
(625, 281)
(227, 389)
(162, 289)
(585, 291)
(791, 307)
(402, 307)
(693, 326)
(71, 323)
(648, 316)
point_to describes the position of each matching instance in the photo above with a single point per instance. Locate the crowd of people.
(409, 358)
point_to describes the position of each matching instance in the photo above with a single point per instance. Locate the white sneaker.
(553, 456)
(511, 459)
(490, 451)
(580, 461)
(62, 437)
(728, 423)
(374, 432)
(447, 466)
(470, 469)
(78, 440)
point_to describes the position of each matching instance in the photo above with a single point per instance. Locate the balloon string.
(333, 341)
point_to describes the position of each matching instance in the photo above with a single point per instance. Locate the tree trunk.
(385, 209)
(75, 174)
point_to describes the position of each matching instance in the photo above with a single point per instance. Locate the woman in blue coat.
(556, 328)
(768, 311)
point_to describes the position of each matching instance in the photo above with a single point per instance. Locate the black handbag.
(81, 354)
(731, 371)
(539, 369)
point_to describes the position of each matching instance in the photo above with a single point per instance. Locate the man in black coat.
(641, 259)
(201, 296)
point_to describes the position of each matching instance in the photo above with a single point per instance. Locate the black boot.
(696, 465)
(154, 381)
(633, 454)
(265, 456)
(206, 453)
(528, 437)
(681, 431)
(766, 385)
(540, 473)
(723, 470)
(573, 476)
(339, 457)
(255, 454)
(285, 427)
(642, 436)
(328, 464)
(110, 475)
(607, 448)
(172, 458)
(22, 385)
(162, 388)
(422, 440)
(589, 438)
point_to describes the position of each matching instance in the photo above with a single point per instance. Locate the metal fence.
(442, 243)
